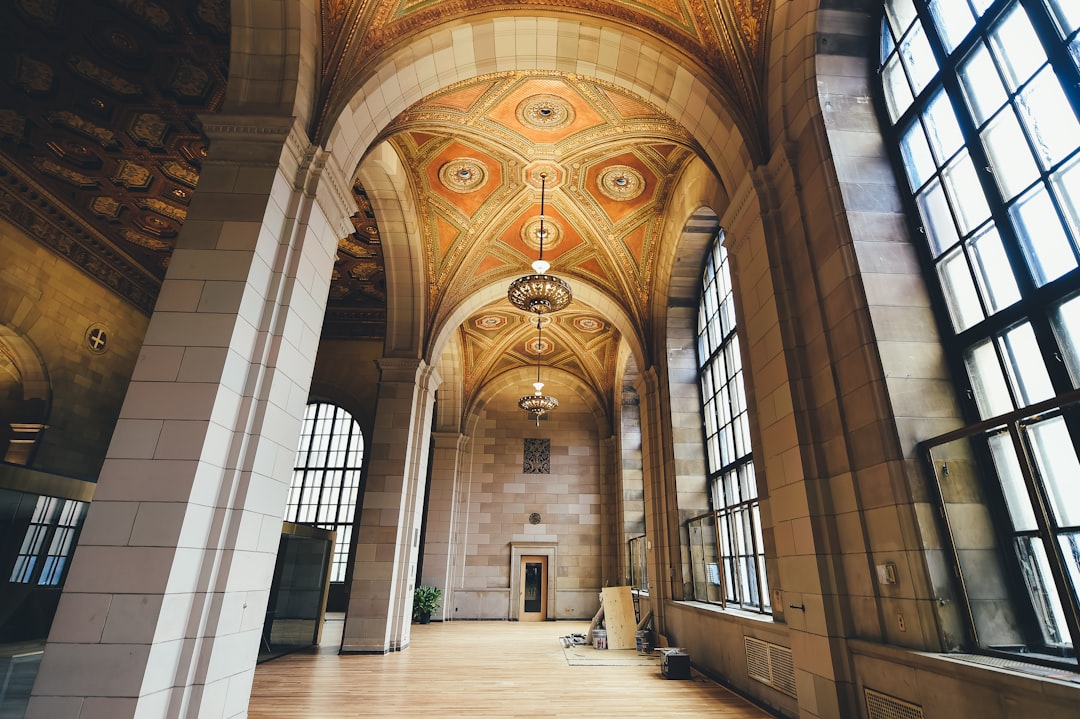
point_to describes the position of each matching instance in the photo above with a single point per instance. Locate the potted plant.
(425, 601)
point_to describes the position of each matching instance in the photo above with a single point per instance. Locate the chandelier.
(538, 404)
(540, 292)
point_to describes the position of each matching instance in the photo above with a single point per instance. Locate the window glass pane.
(1041, 590)
(918, 162)
(966, 193)
(1047, 248)
(1017, 47)
(1070, 548)
(953, 20)
(1058, 469)
(942, 128)
(1067, 13)
(982, 84)
(960, 293)
(1067, 330)
(1017, 499)
(901, 13)
(1066, 184)
(987, 380)
(1025, 365)
(887, 42)
(981, 6)
(1014, 167)
(898, 95)
(993, 271)
(937, 218)
(918, 58)
(1049, 118)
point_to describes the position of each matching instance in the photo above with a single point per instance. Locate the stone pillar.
(611, 546)
(164, 604)
(442, 503)
(379, 615)
(661, 517)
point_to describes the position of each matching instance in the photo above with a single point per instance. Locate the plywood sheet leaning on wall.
(619, 618)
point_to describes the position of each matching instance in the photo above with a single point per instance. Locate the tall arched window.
(983, 100)
(727, 553)
(326, 477)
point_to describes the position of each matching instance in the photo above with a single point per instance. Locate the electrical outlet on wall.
(900, 622)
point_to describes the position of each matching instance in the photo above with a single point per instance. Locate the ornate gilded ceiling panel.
(485, 155)
(499, 339)
(478, 151)
(102, 128)
(725, 37)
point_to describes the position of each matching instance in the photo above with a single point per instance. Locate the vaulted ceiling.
(101, 149)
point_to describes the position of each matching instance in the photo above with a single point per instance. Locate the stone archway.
(25, 397)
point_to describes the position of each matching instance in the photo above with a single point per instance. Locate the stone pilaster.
(164, 605)
(388, 536)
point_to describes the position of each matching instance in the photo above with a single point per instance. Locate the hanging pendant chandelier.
(538, 404)
(540, 292)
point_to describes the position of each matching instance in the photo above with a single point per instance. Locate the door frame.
(520, 550)
(542, 615)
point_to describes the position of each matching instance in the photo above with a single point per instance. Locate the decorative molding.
(30, 207)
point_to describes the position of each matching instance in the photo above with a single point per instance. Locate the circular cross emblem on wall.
(535, 518)
(97, 338)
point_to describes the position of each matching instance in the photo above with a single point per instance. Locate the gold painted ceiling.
(724, 38)
(477, 153)
(101, 146)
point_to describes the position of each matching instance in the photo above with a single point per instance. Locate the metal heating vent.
(883, 706)
(770, 664)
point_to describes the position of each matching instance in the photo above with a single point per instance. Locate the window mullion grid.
(1032, 304)
(1048, 533)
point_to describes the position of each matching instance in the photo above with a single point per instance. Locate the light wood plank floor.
(481, 670)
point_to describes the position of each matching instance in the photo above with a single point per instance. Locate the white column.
(163, 607)
(379, 615)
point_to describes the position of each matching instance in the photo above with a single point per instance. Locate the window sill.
(741, 614)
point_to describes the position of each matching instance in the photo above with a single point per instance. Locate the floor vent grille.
(883, 706)
(770, 664)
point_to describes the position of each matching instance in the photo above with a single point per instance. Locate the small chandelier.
(540, 292)
(538, 404)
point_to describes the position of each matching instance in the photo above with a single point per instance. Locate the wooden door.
(532, 605)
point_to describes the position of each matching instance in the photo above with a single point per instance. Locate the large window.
(727, 555)
(983, 99)
(48, 543)
(326, 477)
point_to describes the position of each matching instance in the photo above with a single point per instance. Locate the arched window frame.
(326, 477)
(980, 101)
(726, 546)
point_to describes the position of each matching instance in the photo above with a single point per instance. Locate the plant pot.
(424, 618)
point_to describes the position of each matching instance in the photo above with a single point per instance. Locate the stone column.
(442, 501)
(661, 516)
(164, 604)
(611, 546)
(379, 615)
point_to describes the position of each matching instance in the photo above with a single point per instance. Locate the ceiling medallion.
(620, 182)
(545, 112)
(589, 324)
(463, 174)
(543, 172)
(530, 233)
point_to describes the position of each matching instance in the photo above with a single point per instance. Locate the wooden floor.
(481, 670)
